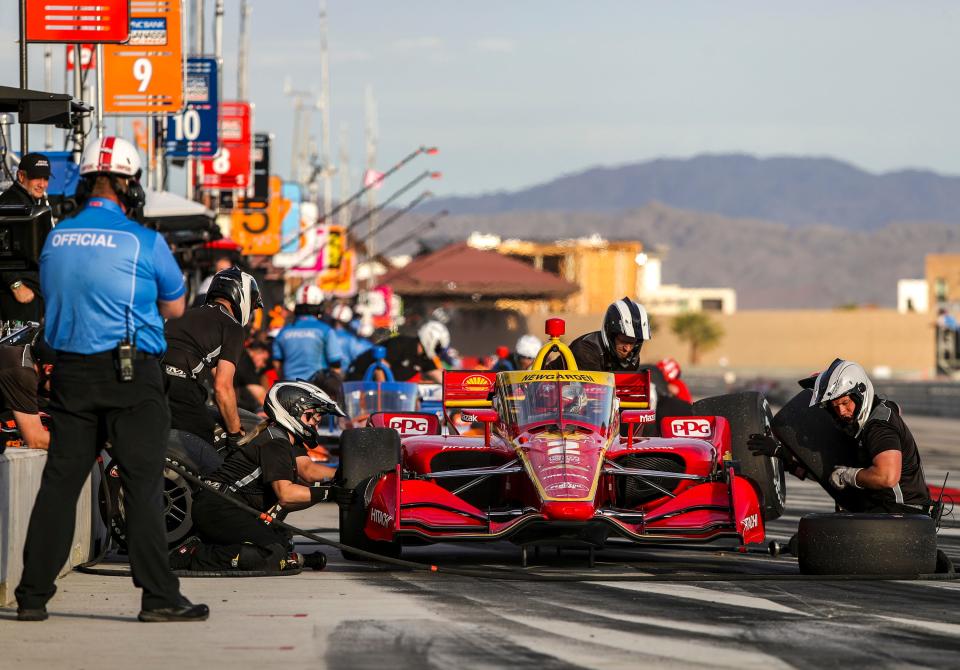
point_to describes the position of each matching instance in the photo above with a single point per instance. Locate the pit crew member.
(308, 345)
(271, 472)
(522, 356)
(408, 356)
(671, 373)
(210, 338)
(888, 475)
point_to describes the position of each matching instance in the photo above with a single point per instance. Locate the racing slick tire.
(191, 453)
(749, 412)
(365, 454)
(867, 544)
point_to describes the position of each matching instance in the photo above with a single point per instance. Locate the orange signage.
(257, 229)
(341, 280)
(145, 75)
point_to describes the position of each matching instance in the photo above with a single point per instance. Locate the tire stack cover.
(815, 441)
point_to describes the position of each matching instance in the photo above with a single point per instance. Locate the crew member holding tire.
(270, 472)
(210, 338)
(108, 283)
(888, 475)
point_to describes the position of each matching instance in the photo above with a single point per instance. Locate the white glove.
(844, 476)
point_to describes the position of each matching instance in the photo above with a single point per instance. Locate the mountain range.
(784, 232)
(793, 190)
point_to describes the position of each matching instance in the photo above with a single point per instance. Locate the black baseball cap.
(36, 166)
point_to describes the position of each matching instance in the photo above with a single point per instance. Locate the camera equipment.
(23, 230)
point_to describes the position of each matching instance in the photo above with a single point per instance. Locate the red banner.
(100, 22)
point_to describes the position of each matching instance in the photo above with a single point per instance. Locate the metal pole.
(371, 139)
(100, 129)
(295, 149)
(48, 87)
(198, 27)
(151, 156)
(78, 95)
(24, 130)
(245, 11)
(161, 124)
(328, 168)
(344, 164)
(218, 35)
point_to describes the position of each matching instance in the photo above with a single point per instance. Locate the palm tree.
(698, 330)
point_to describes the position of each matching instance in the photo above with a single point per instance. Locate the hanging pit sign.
(230, 168)
(88, 57)
(99, 21)
(193, 132)
(145, 75)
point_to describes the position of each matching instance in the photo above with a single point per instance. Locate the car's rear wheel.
(365, 454)
(867, 544)
(749, 412)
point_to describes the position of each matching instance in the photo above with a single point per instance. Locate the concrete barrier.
(20, 471)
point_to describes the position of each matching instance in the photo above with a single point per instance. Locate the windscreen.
(567, 400)
(364, 398)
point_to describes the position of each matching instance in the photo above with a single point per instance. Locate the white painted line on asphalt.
(669, 651)
(934, 626)
(706, 595)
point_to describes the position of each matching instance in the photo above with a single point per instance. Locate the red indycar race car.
(560, 461)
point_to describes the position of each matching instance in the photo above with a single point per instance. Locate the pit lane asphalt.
(356, 615)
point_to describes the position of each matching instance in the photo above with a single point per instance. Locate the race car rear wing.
(467, 388)
(633, 389)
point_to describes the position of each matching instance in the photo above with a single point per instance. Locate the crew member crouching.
(272, 473)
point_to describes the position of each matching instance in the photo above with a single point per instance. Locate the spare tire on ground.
(867, 544)
(748, 412)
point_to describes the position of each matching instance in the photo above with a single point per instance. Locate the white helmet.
(287, 401)
(342, 313)
(528, 346)
(310, 294)
(434, 337)
(845, 378)
(110, 155)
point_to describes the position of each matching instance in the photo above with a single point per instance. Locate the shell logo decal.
(477, 384)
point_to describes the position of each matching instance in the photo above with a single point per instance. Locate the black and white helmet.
(627, 318)
(287, 401)
(845, 378)
(239, 289)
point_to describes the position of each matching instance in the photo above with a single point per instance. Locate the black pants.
(188, 407)
(217, 521)
(88, 404)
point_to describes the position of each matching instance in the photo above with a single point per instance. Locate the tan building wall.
(788, 341)
(943, 279)
(602, 269)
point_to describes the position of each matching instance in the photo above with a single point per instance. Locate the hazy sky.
(518, 92)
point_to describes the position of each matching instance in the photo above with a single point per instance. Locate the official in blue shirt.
(306, 347)
(107, 283)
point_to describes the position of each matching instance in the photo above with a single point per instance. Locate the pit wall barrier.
(20, 471)
(914, 397)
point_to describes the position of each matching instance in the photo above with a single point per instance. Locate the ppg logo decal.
(409, 425)
(690, 427)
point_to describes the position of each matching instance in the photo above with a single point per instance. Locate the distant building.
(912, 296)
(606, 270)
(943, 280)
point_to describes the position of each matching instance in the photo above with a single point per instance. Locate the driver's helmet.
(574, 398)
(845, 378)
(628, 318)
(287, 401)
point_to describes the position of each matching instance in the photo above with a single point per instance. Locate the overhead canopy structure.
(461, 270)
(41, 107)
(180, 220)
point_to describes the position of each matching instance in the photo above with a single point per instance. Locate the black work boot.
(185, 612)
(32, 614)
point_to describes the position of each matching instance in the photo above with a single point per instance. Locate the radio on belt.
(126, 351)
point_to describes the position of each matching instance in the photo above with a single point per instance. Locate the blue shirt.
(305, 347)
(351, 344)
(101, 276)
